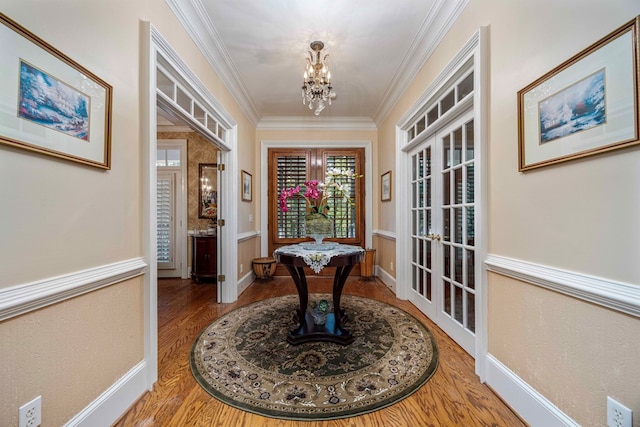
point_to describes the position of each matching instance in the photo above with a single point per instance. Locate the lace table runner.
(317, 256)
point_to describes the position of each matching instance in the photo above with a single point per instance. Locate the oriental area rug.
(244, 360)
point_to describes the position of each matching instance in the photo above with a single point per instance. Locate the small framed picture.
(385, 186)
(247, 185)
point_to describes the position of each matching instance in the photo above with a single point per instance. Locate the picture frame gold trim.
(20, 47)
(548, 136)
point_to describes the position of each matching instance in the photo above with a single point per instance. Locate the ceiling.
(259, 48)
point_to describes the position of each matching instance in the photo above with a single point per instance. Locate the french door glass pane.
(470, 226)
(457, 225)
(458, 186)
(446, 189)
(446, 263)
(457, 147)
(470, 141)
(458, 264)
(458, 303)
(446, 152)
(446, 288)
(470, 195)
(471, 311)
(446, 229)
(471, 276)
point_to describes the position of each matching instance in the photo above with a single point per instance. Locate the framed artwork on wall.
(247, 184)
(50, 103)
(385, 186)
(208, 190)
(586, 105)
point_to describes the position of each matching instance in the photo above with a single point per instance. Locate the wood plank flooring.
(452, 397)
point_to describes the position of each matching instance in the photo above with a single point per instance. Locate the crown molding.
(316, 123)
(194, 19)
(432, 31)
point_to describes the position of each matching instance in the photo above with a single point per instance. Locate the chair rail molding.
(24, 298)
(619, 296)
(385, 234)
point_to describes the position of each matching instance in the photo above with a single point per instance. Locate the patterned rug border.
(429, 372)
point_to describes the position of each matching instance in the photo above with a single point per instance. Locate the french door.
(443, 263)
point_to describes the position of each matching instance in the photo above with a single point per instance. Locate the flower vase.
(318, 226)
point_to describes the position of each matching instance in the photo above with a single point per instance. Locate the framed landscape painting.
(585, 106)
(51, 104)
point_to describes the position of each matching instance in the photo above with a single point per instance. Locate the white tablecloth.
(317, 256)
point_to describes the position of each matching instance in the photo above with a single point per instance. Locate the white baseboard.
(115, 401)
(386, 278)
(245, 281)
(530, 405)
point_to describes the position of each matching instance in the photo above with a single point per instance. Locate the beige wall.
(70, 352)
(579, 216)
(61, 217)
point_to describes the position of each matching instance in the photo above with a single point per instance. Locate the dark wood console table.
(344, 258)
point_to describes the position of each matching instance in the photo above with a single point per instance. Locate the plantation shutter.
(165, 218)
(292, 171)
(342, 212)
(291, 167)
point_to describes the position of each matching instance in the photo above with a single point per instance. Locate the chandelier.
(316, 87)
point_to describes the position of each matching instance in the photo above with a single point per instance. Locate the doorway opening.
(169, 85)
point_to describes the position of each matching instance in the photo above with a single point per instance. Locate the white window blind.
(165, 218)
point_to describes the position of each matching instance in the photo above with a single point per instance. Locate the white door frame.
(475, 50)
(155, 47)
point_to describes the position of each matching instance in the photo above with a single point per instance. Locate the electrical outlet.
(618, 415)
(30, 414)
(241, 268)
(391, 265)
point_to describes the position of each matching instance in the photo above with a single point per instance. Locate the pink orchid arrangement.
(316, 193)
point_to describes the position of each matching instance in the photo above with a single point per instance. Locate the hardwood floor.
(452, 397)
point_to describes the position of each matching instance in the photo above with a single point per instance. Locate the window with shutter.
(291, 167)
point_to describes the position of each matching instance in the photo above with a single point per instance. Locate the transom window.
(462, 90)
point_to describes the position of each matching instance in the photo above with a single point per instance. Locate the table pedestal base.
(332, 330)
